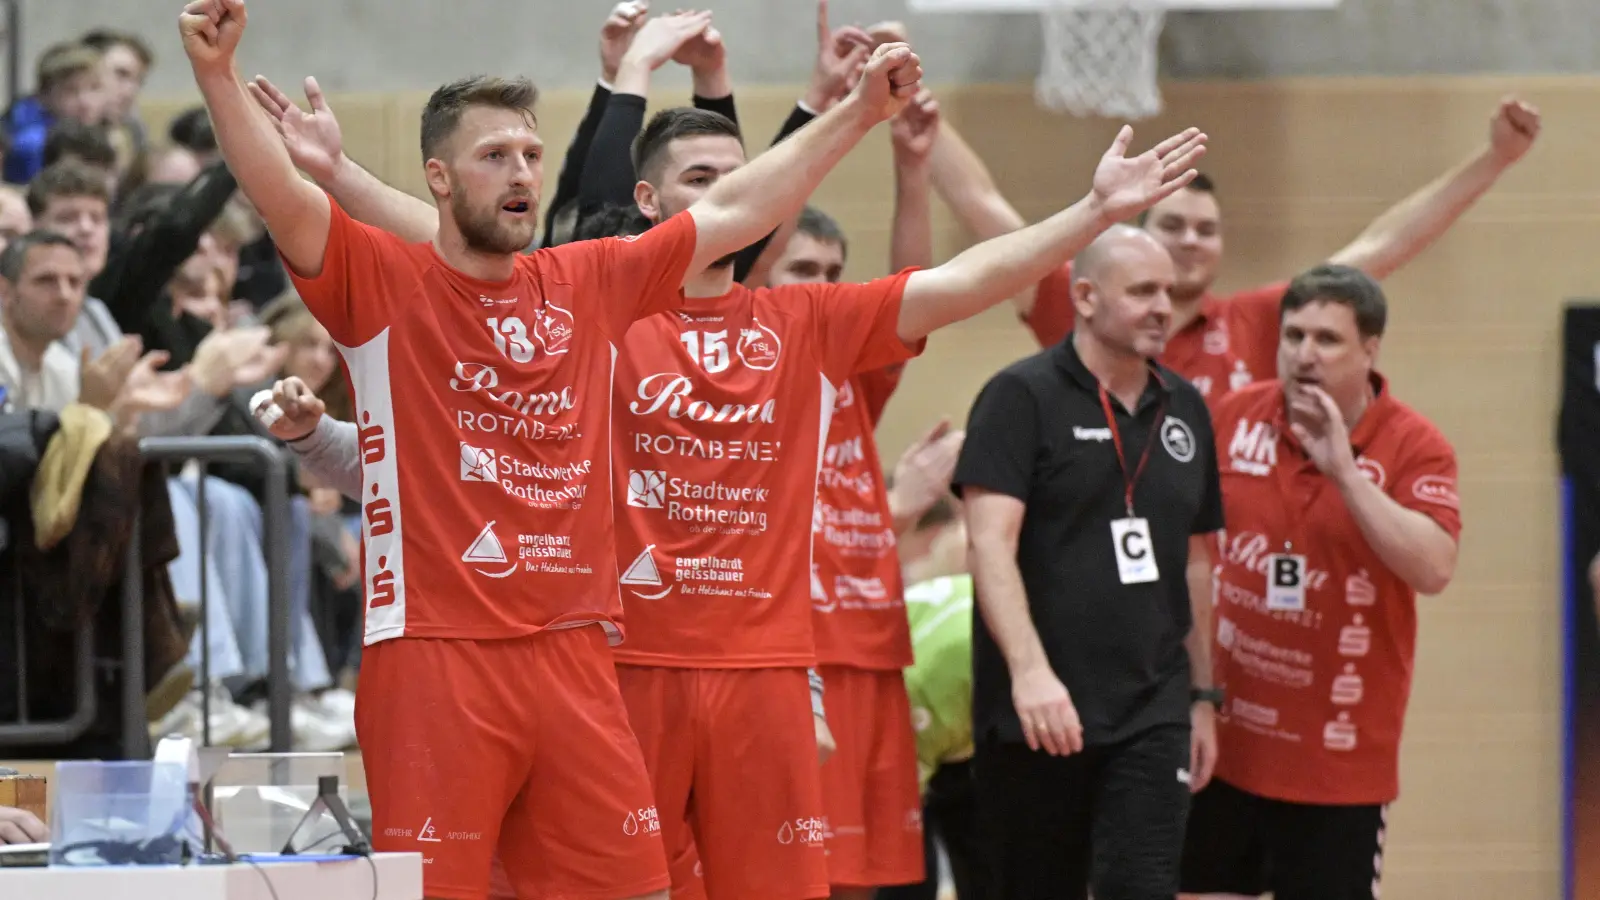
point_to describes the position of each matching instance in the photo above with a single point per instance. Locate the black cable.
(374, 866)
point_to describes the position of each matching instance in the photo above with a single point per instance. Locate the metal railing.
(135, 737)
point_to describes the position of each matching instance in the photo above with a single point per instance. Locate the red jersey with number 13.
(485, 423)
(721, 408)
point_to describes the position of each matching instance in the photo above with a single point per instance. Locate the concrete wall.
(415, 44)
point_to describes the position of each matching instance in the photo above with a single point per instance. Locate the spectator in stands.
(15, 218)
(88, 145)
(172, 165)
(69, 88)
(68, 198)
(125, 62)
(159, 228)
(74, 200)
(42, 274)
(259, 278)
(235, 494)
(41, 287)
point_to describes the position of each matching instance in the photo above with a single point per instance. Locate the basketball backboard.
(1100, 56)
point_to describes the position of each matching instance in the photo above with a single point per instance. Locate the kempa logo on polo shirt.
(1091, 434)
(1178, 439)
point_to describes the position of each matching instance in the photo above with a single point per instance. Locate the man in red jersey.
(1222, 343)
(716, 408)
(717, 404)
(863, 642)
(1341, 507)
(515, 352)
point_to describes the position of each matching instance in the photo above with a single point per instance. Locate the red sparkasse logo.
(1437, 489)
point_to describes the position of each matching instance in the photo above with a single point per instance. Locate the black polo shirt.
(1038, 432)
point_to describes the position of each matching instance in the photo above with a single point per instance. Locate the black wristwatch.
(1212, 696)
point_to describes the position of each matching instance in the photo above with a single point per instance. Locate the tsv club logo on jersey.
(758, 346)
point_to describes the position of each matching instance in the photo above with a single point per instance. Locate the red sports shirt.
(1231, 343)
(485, 418)
(1316, 699)
(858, 595)
(721, 409)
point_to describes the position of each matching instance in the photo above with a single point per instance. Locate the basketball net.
(1100, 58)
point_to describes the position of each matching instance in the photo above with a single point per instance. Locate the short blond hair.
(63, 61)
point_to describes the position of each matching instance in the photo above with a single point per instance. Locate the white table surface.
(399, 877)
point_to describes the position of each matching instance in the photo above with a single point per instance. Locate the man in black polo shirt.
(1089, 476)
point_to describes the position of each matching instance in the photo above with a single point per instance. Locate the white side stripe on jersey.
(384, 571)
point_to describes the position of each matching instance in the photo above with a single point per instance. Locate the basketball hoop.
(1100, 58)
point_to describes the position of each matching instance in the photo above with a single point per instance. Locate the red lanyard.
(1116, 440)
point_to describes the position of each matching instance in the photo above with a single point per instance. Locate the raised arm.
(996, 269)
(752, 200)
(608, 176)
(913, 134)
(296, 212)
(316, 146)
(1412, 225)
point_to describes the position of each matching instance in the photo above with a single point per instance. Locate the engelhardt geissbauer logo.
(486, 554)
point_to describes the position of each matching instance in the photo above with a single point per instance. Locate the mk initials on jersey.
(1254, 448)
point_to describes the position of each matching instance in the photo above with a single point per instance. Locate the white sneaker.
(182, 720)
(236, 726)
(231, 724)
(315, 731)
(337, 702)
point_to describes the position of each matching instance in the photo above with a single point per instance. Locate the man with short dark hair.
(1342, 507)
(816, 252)
(42, 277)
(1089, 484)
(125, 62)
(88, 145)
(485, 551)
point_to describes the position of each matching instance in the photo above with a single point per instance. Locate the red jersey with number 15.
(1316, 696)
(858, 595)
(485, 422)
(721, 408)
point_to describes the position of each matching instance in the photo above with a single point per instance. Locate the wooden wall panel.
(1302, 166)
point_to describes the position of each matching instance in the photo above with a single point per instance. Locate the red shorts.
(869, 784)
(733, 756)
(518, 748)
